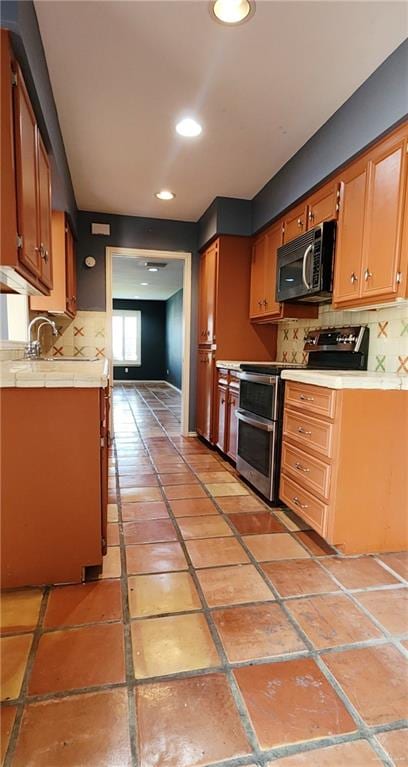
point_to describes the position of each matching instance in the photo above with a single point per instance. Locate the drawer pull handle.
(296, 501)
(301, 430)
(305, 398)
(301, 468)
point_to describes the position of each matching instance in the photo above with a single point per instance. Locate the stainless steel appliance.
(305, 266)
(261, 401)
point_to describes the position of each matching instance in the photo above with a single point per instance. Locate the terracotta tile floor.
(220, 632)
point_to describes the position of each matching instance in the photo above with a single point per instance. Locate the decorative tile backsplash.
(83, 336)
(388, 349)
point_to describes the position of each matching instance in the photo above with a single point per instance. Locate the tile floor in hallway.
(220, 632)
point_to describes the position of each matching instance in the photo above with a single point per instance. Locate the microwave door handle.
(305, 257)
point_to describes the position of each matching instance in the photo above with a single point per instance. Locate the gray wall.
(174, 338)
(153, 341)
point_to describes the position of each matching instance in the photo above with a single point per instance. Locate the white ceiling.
(129, 272)
(124, 72)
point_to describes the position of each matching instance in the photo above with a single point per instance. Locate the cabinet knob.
(300, 223)
(302, 430)
(223, 402)
(311, 216)
(265, 303)
(367, 274)
(297, 502)
(299, 467)
(353, 278)
(259, 303)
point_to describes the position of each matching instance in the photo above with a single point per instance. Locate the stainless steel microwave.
(305, 266)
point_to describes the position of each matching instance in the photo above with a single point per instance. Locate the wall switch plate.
(100, 229)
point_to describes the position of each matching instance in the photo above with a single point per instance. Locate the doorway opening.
(148, 304)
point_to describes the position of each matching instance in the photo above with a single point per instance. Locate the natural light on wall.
(126, 337)
(13, 318)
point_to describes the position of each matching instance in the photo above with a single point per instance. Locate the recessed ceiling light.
(152, 269)
(232, 11)
(136, 296)
(165, 194)
(144, 283)
(188, 127)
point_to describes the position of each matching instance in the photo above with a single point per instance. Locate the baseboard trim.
(172, 386)
(191, 434)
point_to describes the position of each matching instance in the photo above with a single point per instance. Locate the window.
(126, 333)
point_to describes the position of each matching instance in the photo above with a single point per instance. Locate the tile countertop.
(348, 379)
(58, 373)
(236, 364)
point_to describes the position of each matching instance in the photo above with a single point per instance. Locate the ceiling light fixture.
(153, 269)
(165, 194)
(232, 11)
(188, 127)
(144, 283)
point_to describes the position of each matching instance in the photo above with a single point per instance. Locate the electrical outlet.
(126, 370)
(168, 372)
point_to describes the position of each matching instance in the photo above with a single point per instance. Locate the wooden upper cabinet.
(295, 222)
(350, 232)
(273, 241)
(257, 288)
(26, 143)
(207, 294)
(323, 205)
(44, 214)
(383, 220)
(70, 270)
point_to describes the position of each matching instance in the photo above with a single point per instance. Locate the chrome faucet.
(33, 348)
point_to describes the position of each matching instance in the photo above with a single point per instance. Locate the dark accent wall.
(380, 103)
(174, 338)
(20, 18)
(153, 341)
(225, 215)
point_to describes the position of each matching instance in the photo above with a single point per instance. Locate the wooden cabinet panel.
(232, 443)
(104, 414)
(295, 222)
(207, 292)
(273, 241)
(383, 221)
(315, 400)
(222, 399)
(256, 307)
(205, 387)
(26, 177)
(310, 433)
(44, 214)
(323, 205)
(310, 508)
(307, 471)
(70, 269)
(350, 233)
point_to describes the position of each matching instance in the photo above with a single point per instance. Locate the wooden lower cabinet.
(227, 399)
(205, 389)
(54, 493)
(344, 465)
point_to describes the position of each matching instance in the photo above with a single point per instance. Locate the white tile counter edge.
(67, 374)
(348, 379)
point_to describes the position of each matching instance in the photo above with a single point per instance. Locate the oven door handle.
(254, 422)
(305, 257)
(262, 378)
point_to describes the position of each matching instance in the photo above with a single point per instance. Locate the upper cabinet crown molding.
(26, 257)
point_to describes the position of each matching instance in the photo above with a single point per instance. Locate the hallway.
(219, 633)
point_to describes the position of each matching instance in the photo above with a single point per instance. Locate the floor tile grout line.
(21, 701)
(214, 634)
(129, 670)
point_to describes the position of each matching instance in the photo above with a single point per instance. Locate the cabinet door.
(104, 431)
(25, 131)
(207, 294)
(205, 393)
(257, 290)
(383, 221)
(273, 241)
(44, 213)
(350, 233)
(70, 268)
(323, 205)
(222, 400)
(233, 401)
(295, 222)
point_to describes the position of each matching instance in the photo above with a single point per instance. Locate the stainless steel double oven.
(259, 425)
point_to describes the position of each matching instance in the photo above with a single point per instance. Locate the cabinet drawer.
(304, 504)
(312, 399)
(309, 472)
(310, 433)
